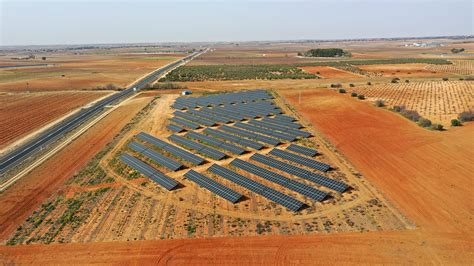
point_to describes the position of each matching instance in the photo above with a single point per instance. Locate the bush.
(456, 123)
(445, 79)
(398, 108)
(351, 85)
(354, 94)
(395, 80)
(337, 85)
(361, 97)
(369, 83)
(379, 103)
(411, 114)
(466, 116)
(342, 91)
(165, 86)
(407, 81)
(438, 127)
(423, 122)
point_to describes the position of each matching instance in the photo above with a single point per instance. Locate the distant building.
(186, 93)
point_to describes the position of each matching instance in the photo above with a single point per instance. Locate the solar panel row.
(213, 186)
(156, 157)
(149, 172)
(184, 123)
(198, 147)
(258, 188)
(175, 128)
(214, 118)
(216, 143)
(232, 138)
(250, 135)
(194, 119)
(225, 98)
(302, 150)
(296, 186)
(264, 131)
(302, 173)
(178, 152)
(300, 160)
(285, 124)
(288, 131)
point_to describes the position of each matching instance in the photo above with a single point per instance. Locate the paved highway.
(25, 151)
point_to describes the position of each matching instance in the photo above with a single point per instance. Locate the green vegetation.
(457, 50)
(466, 116)
(325, 52)
(361, 97)
(342, 91)
(237, 72)
(379, 103)
(354, 94)
(455, 123)
(165, 86)
(423, 122)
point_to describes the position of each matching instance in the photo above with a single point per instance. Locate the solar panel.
(282, 123)
(258, 188)
(175, 128)
(178, 152)
(284, 118)
(203, 115)
(296, 186)
(266, 131)
(288, 131)
(300, 160)
(250, 135)
(156, 157)
(198, 147)
(149, 171)
(195, 119)
(213, 186)
(302, 150)
(216, 143)
(184, 123)
(302, 173)
(232, 138)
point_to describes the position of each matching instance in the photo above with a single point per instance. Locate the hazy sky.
(78, 22)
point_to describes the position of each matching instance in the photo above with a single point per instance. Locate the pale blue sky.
(78, 22)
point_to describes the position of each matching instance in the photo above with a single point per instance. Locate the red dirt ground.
(402, 70)
(25, 112)
(425, 174)
(329, 72)
(29, 192)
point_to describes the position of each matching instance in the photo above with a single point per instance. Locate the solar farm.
(210, 129)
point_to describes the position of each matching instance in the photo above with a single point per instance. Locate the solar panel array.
(258, 188)
(198, 147)
(195, 119)
(213, 186)
(250, 135)
(296, 186)
(302, 173)
(265, 131)
(216, 143)
(300, 160)
(232, 138)
(178, 152)
(223, 98)
(149, 171)
(283, 123)
(156, 157)
(302, 150)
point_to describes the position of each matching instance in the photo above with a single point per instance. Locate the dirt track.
(20, 200)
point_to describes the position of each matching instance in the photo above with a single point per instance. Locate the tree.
(379, 103)
(369, 83)
(455, 123)
(361, 97)
(354, 94)
(342, 91)
(44, 58)
(423, 122)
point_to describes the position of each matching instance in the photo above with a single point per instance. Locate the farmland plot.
(439, 101)
(460, 67)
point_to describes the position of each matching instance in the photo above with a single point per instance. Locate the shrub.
(354, 94)
(337, 85)
(411, 114)
(361, 97)
(438, 127)
(398, 108)
(351, 85)
(455, 123)
(423, 122)
(407, 81)
(342, 91)
(369, 83)
(445, 79)
(466, 116)
(379, 103)
(165, 86)
(395, 80)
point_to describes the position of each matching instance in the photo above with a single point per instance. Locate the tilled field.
(21, 113)
(439, 101)
(460, 67)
